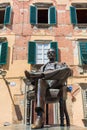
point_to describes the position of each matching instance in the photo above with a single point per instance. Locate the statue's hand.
(37, 75)
(27, 74)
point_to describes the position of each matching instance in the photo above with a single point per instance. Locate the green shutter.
(83, 52)
(33, 14)
(73, 15)
(32, 52)
(54, 45)
(3, 53)
(52, 15)
(7, 16)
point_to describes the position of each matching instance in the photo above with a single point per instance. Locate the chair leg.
(61, 112)
(47, 117)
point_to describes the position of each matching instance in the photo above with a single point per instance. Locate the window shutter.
(54, 45)
(73, 15)
(83, 52)
(52, 15)
(32, 52)
(7, 16)
(3, 53)
(33, 14)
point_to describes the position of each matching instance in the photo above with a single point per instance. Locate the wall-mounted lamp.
(12, 84)
(3, 73)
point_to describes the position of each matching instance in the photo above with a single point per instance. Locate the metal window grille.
(85, 102)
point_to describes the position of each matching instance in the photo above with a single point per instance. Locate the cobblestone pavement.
(27, 127)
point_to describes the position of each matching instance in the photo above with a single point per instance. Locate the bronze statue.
(51, 75)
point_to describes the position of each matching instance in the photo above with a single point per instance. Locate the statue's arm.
(61, 72)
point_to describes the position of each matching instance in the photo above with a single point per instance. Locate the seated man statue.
(51, 75)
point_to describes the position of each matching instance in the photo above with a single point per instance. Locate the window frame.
(32, 49)
(51, 21)
(73, 14)
(7, 14)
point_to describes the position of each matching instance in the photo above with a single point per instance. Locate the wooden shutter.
(7, 16)
(33, 14)
(73, 15)
(52, 15)
(3, 53)
(83, 52)
(54, 45)
(32, 52)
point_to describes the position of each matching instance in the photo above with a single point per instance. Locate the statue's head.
(51, 54)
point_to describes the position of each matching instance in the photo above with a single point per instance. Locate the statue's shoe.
(38, 123)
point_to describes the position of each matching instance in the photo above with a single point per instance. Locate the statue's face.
(51, 54)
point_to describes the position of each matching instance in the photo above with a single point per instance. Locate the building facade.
(28, 28)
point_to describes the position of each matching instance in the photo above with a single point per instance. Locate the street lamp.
(3, 73)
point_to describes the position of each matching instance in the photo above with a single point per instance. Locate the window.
(83, 52)
(3, 52)
(78, 13)
(5, 14)
(41, 53)
(37, 51)
(84, 92)
(42, 15)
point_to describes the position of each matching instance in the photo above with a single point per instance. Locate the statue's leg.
(41, 92)
(61, 101)
(66, 114)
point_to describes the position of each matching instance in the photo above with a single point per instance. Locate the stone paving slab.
(27, 127)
